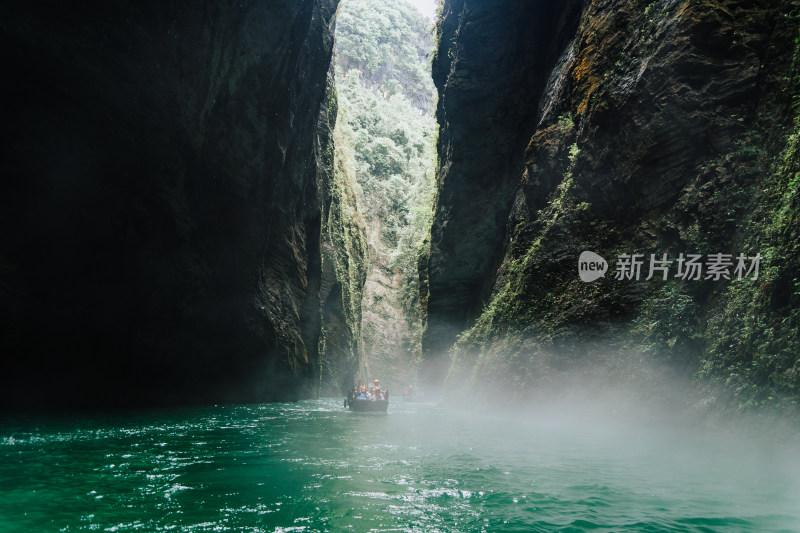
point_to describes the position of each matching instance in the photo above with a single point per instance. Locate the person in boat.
(377, 393)
(373, 392)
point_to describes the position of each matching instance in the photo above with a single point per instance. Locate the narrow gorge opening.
(385, 159)
(204, 246)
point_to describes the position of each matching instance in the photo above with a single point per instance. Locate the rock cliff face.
(344, 269)
(165, 176)
(645, 127)
(385, 144)
(491, 70)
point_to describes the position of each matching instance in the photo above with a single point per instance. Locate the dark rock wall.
(665, 127)
(491, 69)
(160, 201)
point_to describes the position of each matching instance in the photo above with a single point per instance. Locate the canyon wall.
(618, 127)
(344, 266)
(167, 167)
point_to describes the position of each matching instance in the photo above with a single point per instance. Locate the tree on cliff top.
(389, 42)
(385, 138)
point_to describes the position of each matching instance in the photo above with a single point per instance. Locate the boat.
(413, 395)
(365, 405)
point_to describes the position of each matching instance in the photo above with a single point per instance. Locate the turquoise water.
(312, 466)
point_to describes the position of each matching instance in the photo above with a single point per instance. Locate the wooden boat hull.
(368, 406)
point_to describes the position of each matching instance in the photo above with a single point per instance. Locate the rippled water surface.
(312, 466)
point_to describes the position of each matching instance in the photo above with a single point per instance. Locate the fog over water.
(314, 466)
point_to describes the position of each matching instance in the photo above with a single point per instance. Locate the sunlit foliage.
(385, 140)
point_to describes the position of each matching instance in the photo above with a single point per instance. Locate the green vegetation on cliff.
(389, 43)
(344, 262)
(387, 146)
(670, 129)
(754, 335)
(385, 138)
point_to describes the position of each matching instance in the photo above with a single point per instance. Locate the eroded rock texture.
(491, 71)
(660, 127)
(161, 201)
(344, 266)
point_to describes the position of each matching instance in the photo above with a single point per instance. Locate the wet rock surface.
(491, 70)
(660, 127)
(160, 201)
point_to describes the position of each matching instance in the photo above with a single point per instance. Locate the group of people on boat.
(411, 394)
(373, 392)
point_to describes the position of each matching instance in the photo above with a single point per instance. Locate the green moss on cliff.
(344, 261)
(754, 336)
(649, 156)
(386, 139)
